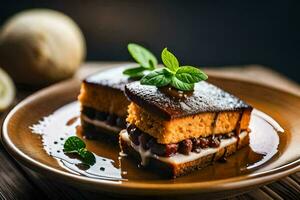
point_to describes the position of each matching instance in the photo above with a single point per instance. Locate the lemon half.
(7, 90)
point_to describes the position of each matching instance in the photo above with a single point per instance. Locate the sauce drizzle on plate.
(56, 128)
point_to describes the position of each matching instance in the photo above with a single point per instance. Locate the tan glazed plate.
(246, 169)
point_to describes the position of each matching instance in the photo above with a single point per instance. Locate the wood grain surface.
(18, 182)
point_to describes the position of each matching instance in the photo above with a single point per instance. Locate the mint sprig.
(189, 74)
(134, 72)
(180, 85)
(146, 60)
(180, 77)
(75, 145)
(169, 60)
(159, 78)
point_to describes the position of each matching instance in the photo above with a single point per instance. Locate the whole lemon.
(41, 46)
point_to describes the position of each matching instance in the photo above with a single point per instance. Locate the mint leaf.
(87, 156)
(159, 78)
(142, 56)
(134, 72)
(180, 85)
(179, 77)
(152, 65)
(169, 60)
(189, 74)
(73, 144)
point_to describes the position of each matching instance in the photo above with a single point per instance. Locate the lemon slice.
(7, 90)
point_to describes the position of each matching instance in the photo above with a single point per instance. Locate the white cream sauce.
(178, 158)
(100, 124)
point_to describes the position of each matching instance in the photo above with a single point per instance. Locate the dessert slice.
(175, 132)
(103, 103)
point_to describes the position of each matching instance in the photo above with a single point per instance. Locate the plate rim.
(136, 187)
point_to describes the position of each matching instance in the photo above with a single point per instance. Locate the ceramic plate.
(53, 111)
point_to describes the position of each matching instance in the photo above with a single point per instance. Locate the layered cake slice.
(103, 103)
(175, 132)
(102, 98)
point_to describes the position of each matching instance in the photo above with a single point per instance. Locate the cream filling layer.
(100, 124)
(179, 158)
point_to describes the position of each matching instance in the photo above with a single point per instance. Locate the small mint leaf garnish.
(142, 55)
(72, 144)
(169, 60)
(134, 72)
(190, 74)
(152, 65)
(180, 85)
(75, 145)
(146, 60)
(180, 77)
(159, 78)
(87, 156)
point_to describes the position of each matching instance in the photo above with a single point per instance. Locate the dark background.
(202, 33)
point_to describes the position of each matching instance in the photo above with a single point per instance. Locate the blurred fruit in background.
(40, 46)
(7, 90)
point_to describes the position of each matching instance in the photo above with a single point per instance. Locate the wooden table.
(18, 182)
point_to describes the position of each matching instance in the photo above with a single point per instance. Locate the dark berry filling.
(186, 146)
(109, 118)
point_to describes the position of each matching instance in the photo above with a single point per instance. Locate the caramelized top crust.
(205, 98)
(112, 78)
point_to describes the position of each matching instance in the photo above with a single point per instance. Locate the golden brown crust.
(204, 98)
(178, 129)
(175, 170)
(103, 99)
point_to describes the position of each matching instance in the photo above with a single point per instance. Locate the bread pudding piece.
(175, 133)
(103, 104)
